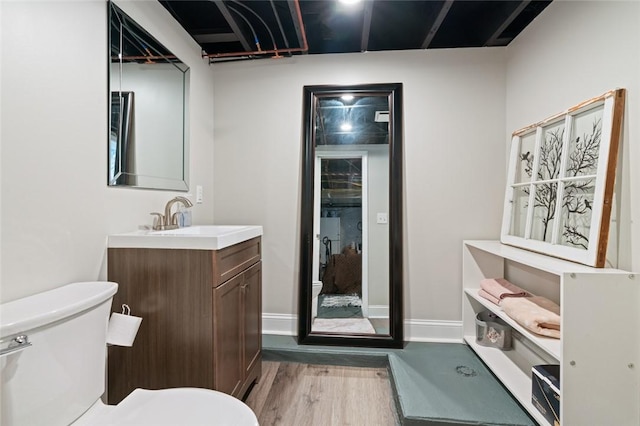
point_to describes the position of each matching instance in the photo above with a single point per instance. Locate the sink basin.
(205, 237)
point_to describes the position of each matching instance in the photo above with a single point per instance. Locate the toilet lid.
(180, 406)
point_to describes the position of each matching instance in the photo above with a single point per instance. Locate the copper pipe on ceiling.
(303, 49)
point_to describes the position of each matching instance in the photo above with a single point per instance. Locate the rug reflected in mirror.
(339, 306)
(342, 325)
(341, 313)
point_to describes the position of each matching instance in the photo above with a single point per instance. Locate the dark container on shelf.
(492, 331)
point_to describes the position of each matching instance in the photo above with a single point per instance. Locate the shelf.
(515, 380)
(536, 260)
(547, 344)
(589, 352)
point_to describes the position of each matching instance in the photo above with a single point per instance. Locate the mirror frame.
(124, 177)
(395, 338)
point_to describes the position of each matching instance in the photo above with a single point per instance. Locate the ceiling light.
(350, 1)
(346, 97)
(346, 127)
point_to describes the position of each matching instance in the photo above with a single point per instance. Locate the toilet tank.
(62, 373)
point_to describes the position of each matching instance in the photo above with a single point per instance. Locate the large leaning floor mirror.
(351, 216)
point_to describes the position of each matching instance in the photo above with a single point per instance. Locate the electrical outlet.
(381, 218)
(199, 194)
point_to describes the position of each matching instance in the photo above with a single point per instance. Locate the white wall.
(56, 207)
(378, 238)
(573, 51)
(454, 160)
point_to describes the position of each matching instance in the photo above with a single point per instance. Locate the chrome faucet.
(169, 220)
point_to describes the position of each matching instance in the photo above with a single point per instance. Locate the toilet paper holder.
(123, 327)
(126, 310)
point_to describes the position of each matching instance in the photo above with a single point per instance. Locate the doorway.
(340, 269)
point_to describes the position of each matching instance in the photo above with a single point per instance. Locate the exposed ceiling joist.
(494, 40)
(277, 16)
(234, 25)
(366, 26)
(296, 25)
(444, 10)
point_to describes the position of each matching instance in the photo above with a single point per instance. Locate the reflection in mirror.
(350, 287)
(147, 138)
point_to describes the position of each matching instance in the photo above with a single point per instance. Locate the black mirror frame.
(395, 338)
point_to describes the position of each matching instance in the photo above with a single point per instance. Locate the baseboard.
(378, 311)
(414, 330)
(280, 324)
(433, 331)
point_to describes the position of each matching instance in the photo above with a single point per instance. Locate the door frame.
(340, 154)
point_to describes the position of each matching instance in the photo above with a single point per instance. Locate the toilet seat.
(179, 406)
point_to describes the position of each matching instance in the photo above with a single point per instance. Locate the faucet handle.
(174, 218)
(158, 221)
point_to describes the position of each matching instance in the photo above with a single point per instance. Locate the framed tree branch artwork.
(560, 181)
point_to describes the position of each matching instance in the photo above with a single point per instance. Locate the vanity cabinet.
(599, 348)
(236, 339)
(201, 318)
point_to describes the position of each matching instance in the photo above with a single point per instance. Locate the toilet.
(52, 369)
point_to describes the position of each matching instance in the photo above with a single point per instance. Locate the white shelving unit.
(599, 349)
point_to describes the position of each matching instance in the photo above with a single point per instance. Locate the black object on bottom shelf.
(545, 391)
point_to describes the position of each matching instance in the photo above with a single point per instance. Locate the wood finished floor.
(292, 394)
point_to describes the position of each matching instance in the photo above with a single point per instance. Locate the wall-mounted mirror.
(148, 115)
(351, 216)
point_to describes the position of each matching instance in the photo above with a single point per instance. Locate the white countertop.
(204, 237)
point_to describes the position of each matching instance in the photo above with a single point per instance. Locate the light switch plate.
(199, 194)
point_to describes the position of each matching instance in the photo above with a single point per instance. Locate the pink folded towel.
(535, 313)
(500, 288)
(488, 296)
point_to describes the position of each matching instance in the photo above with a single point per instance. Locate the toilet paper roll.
(122, 329)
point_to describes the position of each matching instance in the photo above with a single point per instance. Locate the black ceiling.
(234, 29)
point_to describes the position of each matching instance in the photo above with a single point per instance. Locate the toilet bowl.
(52, 365)
(181, 406)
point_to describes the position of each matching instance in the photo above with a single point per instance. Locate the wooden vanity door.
(252, 317)
(227, 336)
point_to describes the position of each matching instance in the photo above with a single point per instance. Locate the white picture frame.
(560, 181)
